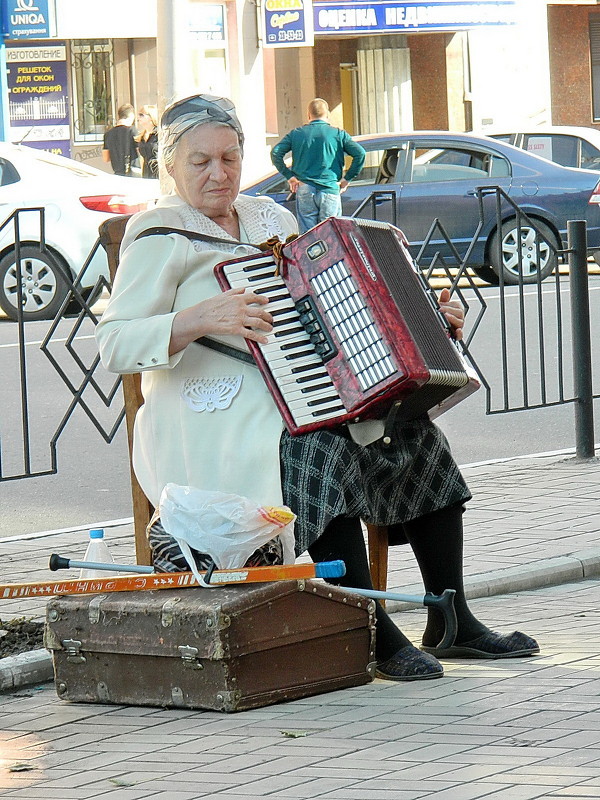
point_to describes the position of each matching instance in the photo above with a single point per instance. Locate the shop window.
(91, 65)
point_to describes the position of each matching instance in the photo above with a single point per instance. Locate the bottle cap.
(97, 533)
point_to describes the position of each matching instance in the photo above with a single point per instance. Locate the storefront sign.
(38, 98)
(383, 16)
(288, 23)
(28, 19)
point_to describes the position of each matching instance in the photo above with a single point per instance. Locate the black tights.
(437, 542)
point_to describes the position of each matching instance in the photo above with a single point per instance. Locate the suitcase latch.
(73, 651)
(189, 656)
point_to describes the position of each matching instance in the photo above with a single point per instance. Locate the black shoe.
(489, 645)
(409, 664)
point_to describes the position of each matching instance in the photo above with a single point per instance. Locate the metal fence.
(538, 336)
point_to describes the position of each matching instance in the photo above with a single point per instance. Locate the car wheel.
(43, 283)
(486, 274)
(535, 257)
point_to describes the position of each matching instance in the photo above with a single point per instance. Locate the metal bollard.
(580, 331)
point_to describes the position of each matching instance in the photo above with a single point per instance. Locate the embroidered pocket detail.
(208, 394)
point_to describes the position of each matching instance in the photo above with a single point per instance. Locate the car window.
(8, 173)
(555, 147)
(278, 184)
(509, 138)
(370, 172)
(455, 164)
(590, 156)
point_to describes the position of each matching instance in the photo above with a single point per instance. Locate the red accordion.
(357, 329)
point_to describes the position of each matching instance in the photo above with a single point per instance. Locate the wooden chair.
(111, 234)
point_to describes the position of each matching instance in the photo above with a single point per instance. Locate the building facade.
(384, 65)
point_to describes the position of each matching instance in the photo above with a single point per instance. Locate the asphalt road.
(92, 481)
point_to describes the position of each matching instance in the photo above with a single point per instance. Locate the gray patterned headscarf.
(182, 116)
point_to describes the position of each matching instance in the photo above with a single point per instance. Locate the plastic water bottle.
(97, 550)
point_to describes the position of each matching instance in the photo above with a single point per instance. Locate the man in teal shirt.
(316, 174)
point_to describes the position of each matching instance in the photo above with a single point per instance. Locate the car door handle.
(481, 190)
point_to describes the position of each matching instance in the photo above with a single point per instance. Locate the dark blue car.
(436, 175)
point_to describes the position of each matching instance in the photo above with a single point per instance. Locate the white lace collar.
(258, 216)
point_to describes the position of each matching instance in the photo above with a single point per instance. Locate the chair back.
(111, 234)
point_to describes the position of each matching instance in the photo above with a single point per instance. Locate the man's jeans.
(314, 205)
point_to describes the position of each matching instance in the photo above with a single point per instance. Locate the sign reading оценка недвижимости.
(387, 16)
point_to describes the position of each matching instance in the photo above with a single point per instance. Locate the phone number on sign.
(287, 36)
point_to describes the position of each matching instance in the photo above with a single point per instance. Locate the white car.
(76, 198)
(569, 145)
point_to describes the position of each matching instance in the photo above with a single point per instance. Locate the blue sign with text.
(28, 19)
(386, 16)
(288, 23)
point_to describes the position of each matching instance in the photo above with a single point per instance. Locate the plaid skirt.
(326, 474)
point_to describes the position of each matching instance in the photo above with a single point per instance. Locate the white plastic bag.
(227, 527)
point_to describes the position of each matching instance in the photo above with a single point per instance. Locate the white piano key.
(284, 376)
(307, 417)
(285, 345)
(324, 397)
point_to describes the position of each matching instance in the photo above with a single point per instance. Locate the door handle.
(482, 190)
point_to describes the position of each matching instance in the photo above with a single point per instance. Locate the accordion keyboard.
(290, 354)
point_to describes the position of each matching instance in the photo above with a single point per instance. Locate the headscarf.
(182, 116)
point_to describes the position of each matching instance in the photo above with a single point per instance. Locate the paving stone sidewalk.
(512, 729)
(502, 730)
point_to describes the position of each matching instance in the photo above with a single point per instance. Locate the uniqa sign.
(29, 19)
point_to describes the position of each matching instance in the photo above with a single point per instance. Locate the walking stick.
(145, 579)
(161, 580)
(325, 569)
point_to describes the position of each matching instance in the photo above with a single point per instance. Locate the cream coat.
(235, 449)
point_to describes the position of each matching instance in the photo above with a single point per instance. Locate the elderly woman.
(165, 297)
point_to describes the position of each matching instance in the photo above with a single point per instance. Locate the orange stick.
(160, 580)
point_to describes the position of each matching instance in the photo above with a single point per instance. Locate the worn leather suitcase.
(227, 649)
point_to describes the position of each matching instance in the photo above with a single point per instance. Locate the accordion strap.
(219, 347)
(226, 350)
(160, 230)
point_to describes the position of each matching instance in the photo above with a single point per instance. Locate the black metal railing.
(25, 455)
(532, 330)
(531, 345)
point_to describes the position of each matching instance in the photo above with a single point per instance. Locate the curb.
(577, 566)
(36, 666)
(25, 669)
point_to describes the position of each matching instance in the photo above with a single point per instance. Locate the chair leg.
(142, 512)
(378, 555)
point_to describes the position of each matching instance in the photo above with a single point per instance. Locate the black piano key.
(317, 387)
(316, 376)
